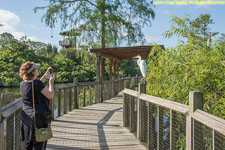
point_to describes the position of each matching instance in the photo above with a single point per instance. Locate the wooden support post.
(2, 137)
(51, 105)
(132, 116)
(195, 102)
(129, 81)
(70, 99)
(110, 69)
(141, 89)
(95, 94)
(84, 96)
(108, 91)
(114, 78)
(1, 104)
(117, 85)
(59, 102)
(102, 91)
(118, 66)
(102, 78)
(110, 78)
(98, 88)
(103, 69)
(65, 103)
(114, 70)
(136, 82)
(125, 110)
(90, 96)
(76, 106)
(7, 133)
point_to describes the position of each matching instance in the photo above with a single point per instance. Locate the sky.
(18, 18)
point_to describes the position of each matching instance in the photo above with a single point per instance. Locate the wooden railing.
(163, 124)
(66, 98)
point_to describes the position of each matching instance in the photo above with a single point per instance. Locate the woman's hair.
(23, 71)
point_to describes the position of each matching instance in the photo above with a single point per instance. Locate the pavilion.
(115, 55)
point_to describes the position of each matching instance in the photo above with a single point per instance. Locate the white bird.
(142, 65)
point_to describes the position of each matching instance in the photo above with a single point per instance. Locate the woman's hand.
(46, 74)
(48, 71)
(52, 78)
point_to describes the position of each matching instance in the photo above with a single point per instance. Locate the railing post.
(1, 104)
(70, 98)
(136, 80)
(90, 96)
(65, 103)
(124, 110)
(84, 96)
(141, 89)
(59, 102)
(195, 102)
(96, 94)
(98, 80)
(51, 104)
(2, 137)
(7, 137)
(129, 81)
(75, 81)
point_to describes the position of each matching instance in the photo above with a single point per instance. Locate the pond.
(15, 90)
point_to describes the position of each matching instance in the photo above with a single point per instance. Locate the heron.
(142, 65)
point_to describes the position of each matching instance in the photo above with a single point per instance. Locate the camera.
(51, 71)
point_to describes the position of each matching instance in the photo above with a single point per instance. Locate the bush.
(174, 72)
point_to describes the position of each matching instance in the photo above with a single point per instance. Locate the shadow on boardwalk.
(98, 126)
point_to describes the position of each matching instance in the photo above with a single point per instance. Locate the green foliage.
(108, 22)
(177, 71)
(129, 68)
(67, 63)
(195, 31)
(12, 54)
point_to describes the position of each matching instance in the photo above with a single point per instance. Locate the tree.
(195, 31)
(102, 21)
(12, 54)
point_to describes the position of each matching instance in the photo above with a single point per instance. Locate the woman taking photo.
(29, 73)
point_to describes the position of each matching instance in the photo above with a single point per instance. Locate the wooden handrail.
(195, 118)
(12, 107)
(178, 107)
(130, 92)
(209, 120)
(159, 101)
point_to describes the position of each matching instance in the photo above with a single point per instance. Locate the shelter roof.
(120, 53)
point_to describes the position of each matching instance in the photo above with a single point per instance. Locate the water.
(13, 90)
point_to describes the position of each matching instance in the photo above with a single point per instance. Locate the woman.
(29, 72)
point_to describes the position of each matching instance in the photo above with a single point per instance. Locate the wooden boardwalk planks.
(99, 126)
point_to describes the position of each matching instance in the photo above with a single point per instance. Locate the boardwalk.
(98, 126)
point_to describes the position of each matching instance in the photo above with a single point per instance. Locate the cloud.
(151, 39)
(9, 18)
(10, 22)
